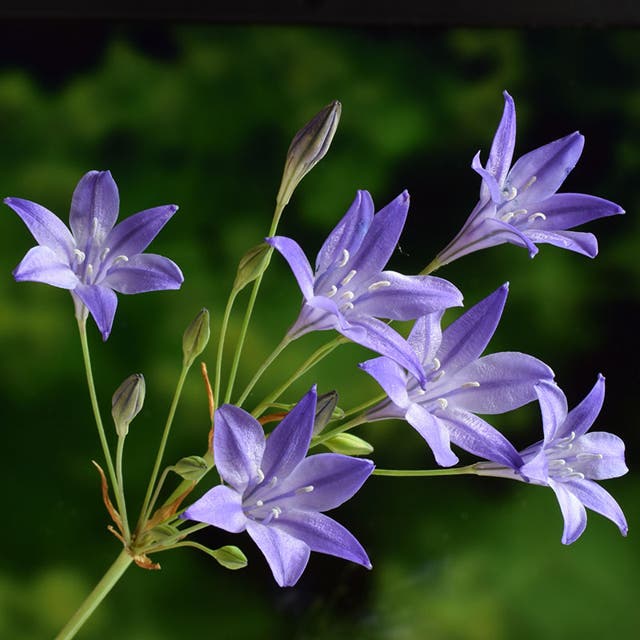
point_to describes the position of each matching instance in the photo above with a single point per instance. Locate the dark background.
(202, 115)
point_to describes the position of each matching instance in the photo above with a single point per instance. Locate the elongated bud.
(127, 402)
(326, 410)
(191, 468)
(349, 445)
(307, 148)
(251, 265)
(196, 337)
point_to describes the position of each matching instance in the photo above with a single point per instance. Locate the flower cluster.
(437, 379)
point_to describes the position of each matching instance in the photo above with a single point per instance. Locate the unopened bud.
(349, 445)
(127, 402)
(191, 468)
(326, 410)
(307, 148)
(251, 265)
(196, 337)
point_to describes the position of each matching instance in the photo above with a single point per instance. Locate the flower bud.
(127, 402)
(196, 337)
(326, 411)
(191, 468)
(251, 265)
(349, 445)
(307, 148)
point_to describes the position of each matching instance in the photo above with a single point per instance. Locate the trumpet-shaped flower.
(569, 459)
(349, 291)
(460, 384)
(520, 205)
(276, 494)
(96, 257)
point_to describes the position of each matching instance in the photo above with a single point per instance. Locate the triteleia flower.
(569, 459)
(460, 384)
(520, 204)
(349, 292)
(96, 257)
(276, 494)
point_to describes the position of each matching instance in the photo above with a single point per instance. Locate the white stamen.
(332, 291)
(443, 402)
(273, 482)
(575, 474)
(344, 259)
(589, 456)
(80, 255)
(519, 212)
(529, 182)
(536, 216)
(276, 511)
(438, 376)
(348, 295)
(565, 441)
(420, 391)
(509, 192)
(308, 489)
(259, 503)
(507, 216)
(470, 385)
(558, 462)
(347, 279)
(379, 285)
(347, 306)
(105, 253)
(436, 364)
(89, 270)
(94, 226)
(260, 475)
(121, 258)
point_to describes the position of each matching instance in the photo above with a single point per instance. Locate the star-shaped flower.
(460, 384)
(349, 291)
(276, 494)
(520, 205)
(569, 459)
(96, 257)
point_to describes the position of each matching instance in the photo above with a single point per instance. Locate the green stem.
(113, 574)
(431, 267)
(120, 486)
(412, 473)
(320, 353)
(252, 300)
(347, 426)
(263, 367)
(82, 327)
(159, 486)
(221, 340)
(163, 443)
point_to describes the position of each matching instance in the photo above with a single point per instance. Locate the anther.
(276, 511)
(470, 385)
(89, 270)
(588, 456)
(80, 255)
(379, 285)
(347, 279)
(509, 193)
(347, 306)
(519, 212)
(273, 482)
(94, 225)
(105, 253)
(344, 259)
(436, 364)
(438, 376)
(121, 258)
(332, 291)
(308, 489)
(260, 475)
(348, 295)
(259, 503)
(529, 182)
(536, 216)
(443, 402)
(507, 216)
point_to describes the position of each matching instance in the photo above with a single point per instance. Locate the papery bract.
(520, 205)
(460, 384)
(569, 459)
(96, 257)
(349, 291)
(276, 494)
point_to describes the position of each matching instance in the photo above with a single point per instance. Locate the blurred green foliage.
(203, 119)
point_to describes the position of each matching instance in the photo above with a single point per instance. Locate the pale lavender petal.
(503, 144)
(313, 318)
(42, 264)
(553, 406)
(499, 231)
(489, 187)
(382, 236)
(94, 207)
(578, 241)
(435, 432)
(573, 512)
(334, 479)
(348, 233)
(594, 497)
(466, 338)
(323, 535)
(426, 336)
(399, 297)
(101, 302)
(536, 469)
(45, 226)
(286, 555)
(567, 210)
(135, 233)
(289, 441)
(476, 436)
(582, 416)
(293, 254)
(381, 338)
(220, 507)
(144, 272)
(600, 455)
(549, 165)
(506, 381)
(391, 377)
(238, 446)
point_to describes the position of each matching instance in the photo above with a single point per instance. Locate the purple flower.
(569, 459)
(520, 204)
(349, 292)
(276, 494)
(97, 257)
(460, 384)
